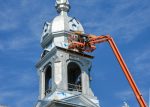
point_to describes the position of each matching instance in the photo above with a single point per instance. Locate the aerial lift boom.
(86, 43)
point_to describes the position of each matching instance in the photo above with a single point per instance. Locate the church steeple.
(64, 75)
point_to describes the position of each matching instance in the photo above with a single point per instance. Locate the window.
(48, 80)
(74, 77)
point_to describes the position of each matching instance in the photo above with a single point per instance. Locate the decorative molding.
(46, 58)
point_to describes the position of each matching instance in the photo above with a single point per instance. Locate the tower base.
(61, 98)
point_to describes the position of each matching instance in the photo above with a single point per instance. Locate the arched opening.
(48, 80)
(74, 77)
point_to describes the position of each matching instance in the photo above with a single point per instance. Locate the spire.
(62, 6)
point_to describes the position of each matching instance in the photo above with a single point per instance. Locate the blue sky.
(128, 21)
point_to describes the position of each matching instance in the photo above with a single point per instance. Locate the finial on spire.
(62, 5)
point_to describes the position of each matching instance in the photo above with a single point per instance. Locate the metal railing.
(71, 87)
(74, 87)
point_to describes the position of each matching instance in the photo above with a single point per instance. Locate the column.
(42, 84)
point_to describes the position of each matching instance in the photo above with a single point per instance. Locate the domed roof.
(60, 24)
(63, 23)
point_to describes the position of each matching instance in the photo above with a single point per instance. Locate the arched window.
(48, 80)
(74, 77)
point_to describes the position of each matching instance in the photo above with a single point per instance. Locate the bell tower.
(64, 74)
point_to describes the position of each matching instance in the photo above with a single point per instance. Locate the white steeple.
(63, 73)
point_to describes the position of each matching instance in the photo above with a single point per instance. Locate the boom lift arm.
(86, 43)
(126, 71)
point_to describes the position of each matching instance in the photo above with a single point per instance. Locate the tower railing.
(74, 87)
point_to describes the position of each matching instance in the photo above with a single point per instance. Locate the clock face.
(74, 24)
